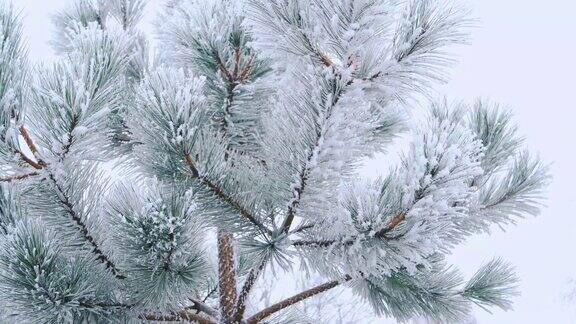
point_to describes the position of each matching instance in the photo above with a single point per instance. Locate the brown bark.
(254, 319)
(28, 140)
(30, 143)
(325, 59)
(395, 221)
(178, 317)
(226, 276)
(246, 289)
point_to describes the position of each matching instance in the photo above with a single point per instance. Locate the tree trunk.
(226, 276)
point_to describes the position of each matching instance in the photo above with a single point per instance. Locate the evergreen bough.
(161, 188)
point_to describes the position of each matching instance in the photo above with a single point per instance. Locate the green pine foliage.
(161, 183)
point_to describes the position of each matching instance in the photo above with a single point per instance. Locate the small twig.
(246, 289)
(168, 259)
(302, 228)
(215, 189)
(200, 306)
(254, 319)
(381, 234)
(191, 165)
(178, 317)
(105, 305)
(246, 71)
(66, 148)
(29, 161)
(303, 178)
(325, 59)
(374, 76)
(76, 218)
(397, 219)
(28, 140)
(222, 67)
(237, 56)
(30, 143)
(318, 244)
(210, 293)
(18, 177)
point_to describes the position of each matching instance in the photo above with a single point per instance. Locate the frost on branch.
(176, 141)
(438, 291)
(127, 12)
(159, 238)
(40, 283)
(10, 211)
(168, 107)
(493, 285)
(117, 20)
(415, 211)
(432, 292)
(74, 98)
(209, 39)
(78, 16)
(252, 122)
(13, 78)
(426, 206)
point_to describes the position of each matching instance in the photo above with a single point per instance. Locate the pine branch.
(323, 58)
(66, 148)
(36, 165)
(381, 234)
(65, 201)
(246, 289)
(216, 190)
(303, 176)
(302, 228)
(234, 79)
(254, 319)
(69, 207)
(178, 317)
(226, 275)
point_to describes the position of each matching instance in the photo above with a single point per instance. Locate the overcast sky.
(524, 56)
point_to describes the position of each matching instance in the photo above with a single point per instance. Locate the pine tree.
(140, 187)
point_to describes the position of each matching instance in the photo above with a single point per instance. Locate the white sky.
(524, 56)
